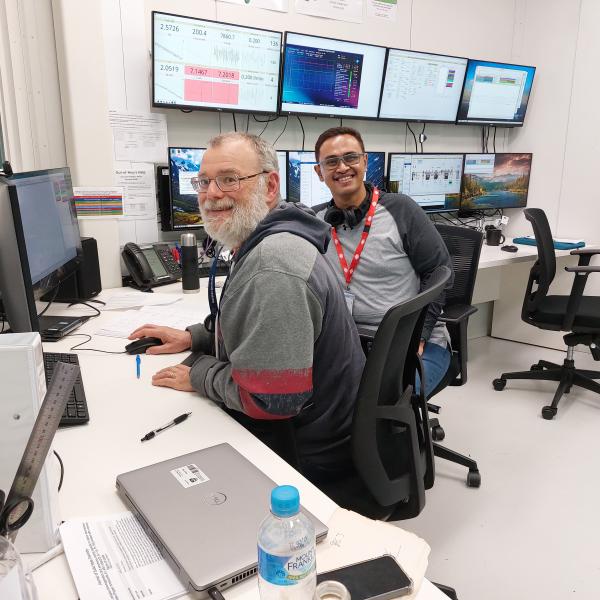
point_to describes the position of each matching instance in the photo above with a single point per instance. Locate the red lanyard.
(349, 271)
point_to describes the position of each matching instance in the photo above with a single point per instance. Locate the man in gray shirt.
(384, 246)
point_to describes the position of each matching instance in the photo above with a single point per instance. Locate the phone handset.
(137, 265)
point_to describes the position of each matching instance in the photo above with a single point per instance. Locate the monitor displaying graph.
(431, 180)
(322, 76)
(205, 64)
(495, 93)
(304, 185)
(421, 87)
(498, 180)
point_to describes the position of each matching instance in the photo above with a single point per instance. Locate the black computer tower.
(163, 194)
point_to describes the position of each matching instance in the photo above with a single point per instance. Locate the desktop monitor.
(421, 87)
(498, 180)
(431, 180)
(184, 163)
(327, 77)
(200, 64)
(305, 186)
(40, 245)
(495, 93)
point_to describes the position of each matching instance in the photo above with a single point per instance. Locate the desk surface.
(122, 409)
(493, 256)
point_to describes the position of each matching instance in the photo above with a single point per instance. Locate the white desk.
(122, 409)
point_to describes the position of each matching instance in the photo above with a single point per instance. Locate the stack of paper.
(136, 299)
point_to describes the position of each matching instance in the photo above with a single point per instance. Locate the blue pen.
(138, 363)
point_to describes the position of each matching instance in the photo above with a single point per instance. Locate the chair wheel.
(536, 367)
(438, 433)
(474, 479)
(549, 412)
(499, 384)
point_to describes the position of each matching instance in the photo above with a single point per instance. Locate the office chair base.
(566, 375)
(473, 476)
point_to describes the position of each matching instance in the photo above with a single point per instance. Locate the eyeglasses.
(226, 183)
(350, 159)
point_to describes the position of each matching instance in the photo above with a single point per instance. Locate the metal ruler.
(40, 440)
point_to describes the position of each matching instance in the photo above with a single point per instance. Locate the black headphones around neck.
(349, 217)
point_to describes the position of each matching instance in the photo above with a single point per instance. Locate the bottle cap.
(285, 501)
(188, 239)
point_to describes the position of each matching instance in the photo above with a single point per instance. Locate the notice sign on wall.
(98, 202)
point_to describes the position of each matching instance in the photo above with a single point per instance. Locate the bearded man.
(284, 344)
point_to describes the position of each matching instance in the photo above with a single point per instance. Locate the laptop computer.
(55, 328)
(203, 511)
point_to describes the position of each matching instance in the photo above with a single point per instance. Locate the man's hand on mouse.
(174, 340)
(176, 377)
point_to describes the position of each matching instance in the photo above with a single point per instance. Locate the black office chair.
(464, 246)
(576, 313)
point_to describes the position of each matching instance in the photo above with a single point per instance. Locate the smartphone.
(375, 579)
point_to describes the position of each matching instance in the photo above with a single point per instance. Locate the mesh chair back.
(543, 271)
(464, 246)
(390, 431)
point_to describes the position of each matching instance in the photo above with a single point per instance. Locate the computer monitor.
(431, 180)
(421, 87)
(498, 180)
(200, 64)
(184, 163)
(327, 77)
(495, 93)
(40, 245)
(305, 186)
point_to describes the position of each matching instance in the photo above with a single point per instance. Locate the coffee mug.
(494, 237)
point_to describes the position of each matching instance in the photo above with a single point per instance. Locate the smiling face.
(230, 217)
(344, 181)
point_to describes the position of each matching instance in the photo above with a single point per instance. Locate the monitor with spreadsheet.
(499, 180)
(495, 93)
(327, 77)
(305, 186)
(201, 64)
(431, 180)
(421, 87)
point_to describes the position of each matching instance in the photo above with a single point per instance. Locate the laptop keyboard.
(76, 411)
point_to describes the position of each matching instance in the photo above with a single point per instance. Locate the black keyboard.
(76, 411)
(204, 268)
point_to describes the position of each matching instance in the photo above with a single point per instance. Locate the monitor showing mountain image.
(498, 180)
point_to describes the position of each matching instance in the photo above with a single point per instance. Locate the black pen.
(175, 421)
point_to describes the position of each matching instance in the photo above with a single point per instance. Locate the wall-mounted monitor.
(305, 186)
(495, 93)
(431, 180)
(498, 180)
(184, 163)
(200, 64)
(327, 77)
(421, 87)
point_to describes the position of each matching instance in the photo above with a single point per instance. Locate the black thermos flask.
(190, 279)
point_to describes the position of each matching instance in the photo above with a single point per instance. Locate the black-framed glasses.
(350, 158)
(226, 183)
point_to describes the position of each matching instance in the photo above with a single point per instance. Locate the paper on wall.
(139, 137)
(139, 191)
(383, 9)
(280, 5)
(98, 201)
(341, 10)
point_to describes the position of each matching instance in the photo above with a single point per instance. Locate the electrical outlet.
(504, 220)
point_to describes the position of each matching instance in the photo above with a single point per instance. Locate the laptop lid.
(203, 510)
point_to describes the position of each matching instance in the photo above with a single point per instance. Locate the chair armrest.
(584, 269)
(585, 251)
(456, 313)
(366, 333)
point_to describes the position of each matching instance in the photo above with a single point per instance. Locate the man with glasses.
(281, 319)
(384, 246)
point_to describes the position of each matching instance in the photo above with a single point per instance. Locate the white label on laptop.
(189, 475)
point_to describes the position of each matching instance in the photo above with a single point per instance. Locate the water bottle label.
(286, 570)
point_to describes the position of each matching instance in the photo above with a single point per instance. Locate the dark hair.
(334, 132)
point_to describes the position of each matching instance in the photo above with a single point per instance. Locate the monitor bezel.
(284, 113)
(498, 123)
(496, 207)
(428, 210)
(399, 120)
(187, 107)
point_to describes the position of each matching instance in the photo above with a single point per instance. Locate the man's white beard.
(244, 219)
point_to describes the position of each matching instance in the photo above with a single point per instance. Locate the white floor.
(532, 530)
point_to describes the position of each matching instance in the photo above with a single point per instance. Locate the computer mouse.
(509, 248)
(140, 346)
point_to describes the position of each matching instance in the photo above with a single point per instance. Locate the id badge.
(349, 297)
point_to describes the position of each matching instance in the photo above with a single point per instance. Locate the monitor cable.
(303, 134)
(51, 301)
(287, 118)
(234, 121)
(494, 140)
(414, 137)
(422, 137)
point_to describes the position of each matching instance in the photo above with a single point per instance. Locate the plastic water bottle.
(286, 549)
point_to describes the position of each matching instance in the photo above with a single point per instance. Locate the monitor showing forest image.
(498, 180)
